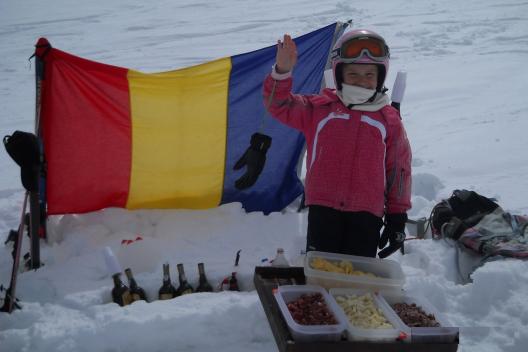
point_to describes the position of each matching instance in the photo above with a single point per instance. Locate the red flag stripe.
(91, 143)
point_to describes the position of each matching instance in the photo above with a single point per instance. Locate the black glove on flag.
(394, 233)
(254, 158)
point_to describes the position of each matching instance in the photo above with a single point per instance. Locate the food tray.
(388, 273)
(444, 333)
(266, 279)
(333, 332)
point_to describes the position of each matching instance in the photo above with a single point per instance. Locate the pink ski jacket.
(357, 160)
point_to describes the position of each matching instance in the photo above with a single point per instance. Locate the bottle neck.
(130, 277)
(117, 280)
(201, 269)
(181, 274)
(201, 272)
(166, 274)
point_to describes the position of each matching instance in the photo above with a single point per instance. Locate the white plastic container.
(445, 333)
(399, 331)
(307, 333)
(389, 274)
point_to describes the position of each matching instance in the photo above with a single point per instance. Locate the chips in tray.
(339, 266)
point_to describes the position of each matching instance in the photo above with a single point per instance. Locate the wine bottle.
(136, 291)
(120, 292)
(280, 260)
(203, 285)
(167, 290)
(184, 287)
(233, 283)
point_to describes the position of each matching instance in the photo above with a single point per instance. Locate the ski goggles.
(354, 48)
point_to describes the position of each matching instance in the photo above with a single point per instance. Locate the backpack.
(462, 210)
(24, 149)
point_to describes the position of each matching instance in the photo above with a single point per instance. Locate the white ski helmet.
(360, 46)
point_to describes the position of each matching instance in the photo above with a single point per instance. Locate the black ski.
(37, 226)
(10, 301)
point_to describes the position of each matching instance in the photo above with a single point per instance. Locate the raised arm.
(291, 109)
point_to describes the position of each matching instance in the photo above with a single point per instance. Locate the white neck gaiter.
(359, 97)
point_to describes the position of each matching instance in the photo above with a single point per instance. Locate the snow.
(465, 113)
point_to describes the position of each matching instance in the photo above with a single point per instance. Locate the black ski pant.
(331, 230)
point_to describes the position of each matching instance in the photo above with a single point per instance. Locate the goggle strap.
(336, 53)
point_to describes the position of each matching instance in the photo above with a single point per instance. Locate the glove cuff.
(396, 222)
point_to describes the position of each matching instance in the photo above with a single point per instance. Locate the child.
(358, 155)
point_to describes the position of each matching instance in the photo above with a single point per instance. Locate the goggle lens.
(354, 47)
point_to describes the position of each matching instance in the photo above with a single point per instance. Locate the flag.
(116, 137)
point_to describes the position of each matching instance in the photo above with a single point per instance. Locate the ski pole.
(10, 296)
(398, 89)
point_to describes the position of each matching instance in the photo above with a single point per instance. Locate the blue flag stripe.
(278, 185)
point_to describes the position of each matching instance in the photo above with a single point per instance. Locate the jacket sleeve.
(398, 169)
(291, 109)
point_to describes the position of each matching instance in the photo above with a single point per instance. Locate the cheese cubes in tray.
(362, 311)
(368, 319)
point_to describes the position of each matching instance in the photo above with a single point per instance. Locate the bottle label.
(135, 297)
(127, 298)
(187, 291)
(163, 296)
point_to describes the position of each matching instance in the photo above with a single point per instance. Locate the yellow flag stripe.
(179, 121)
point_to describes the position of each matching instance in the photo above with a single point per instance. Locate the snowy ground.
(465, 112)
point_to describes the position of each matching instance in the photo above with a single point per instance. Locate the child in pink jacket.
(358, 155)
